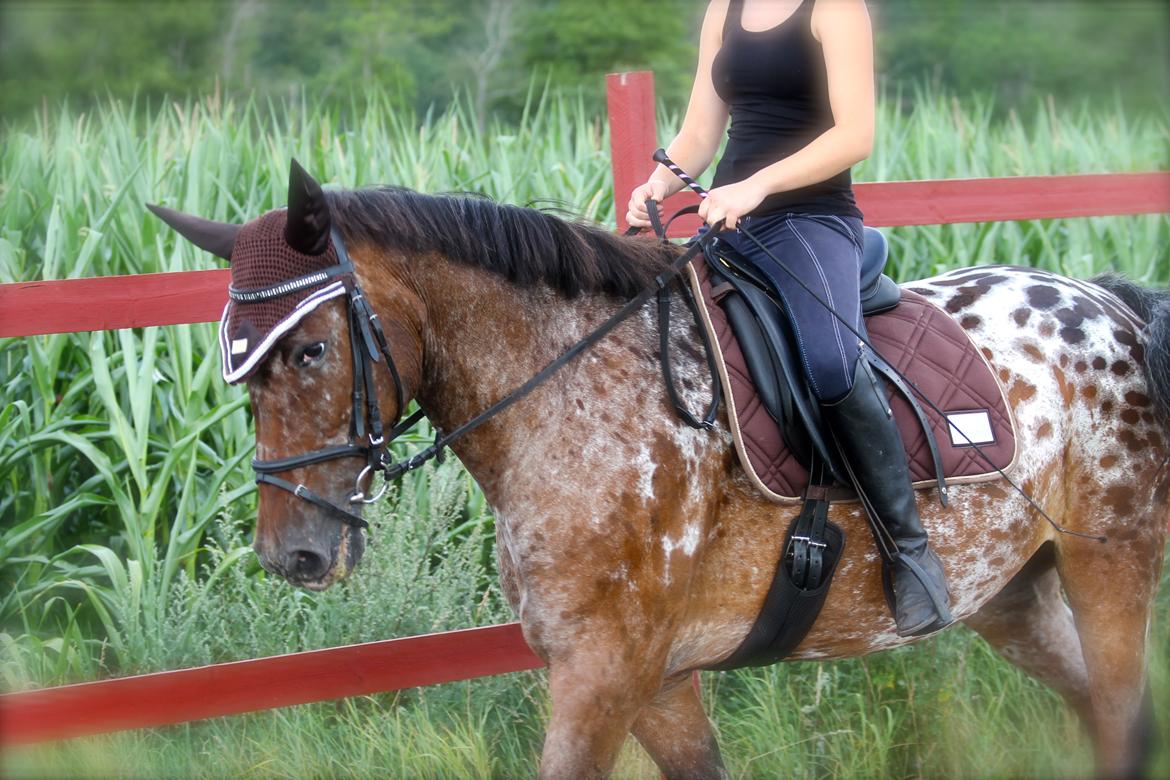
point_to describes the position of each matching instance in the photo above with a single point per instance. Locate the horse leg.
(1029, 624)
(597, 692)
(1111, 589)
(675, 731)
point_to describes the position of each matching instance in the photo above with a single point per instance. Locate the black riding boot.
(868, 438)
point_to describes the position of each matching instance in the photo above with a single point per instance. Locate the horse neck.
(483, 338)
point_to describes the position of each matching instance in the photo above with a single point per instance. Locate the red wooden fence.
(32, 308)
(261, 684)
(634, 136)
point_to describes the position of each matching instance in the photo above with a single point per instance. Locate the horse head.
(300, 331)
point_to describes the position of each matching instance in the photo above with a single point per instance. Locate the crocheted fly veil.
(273, 288)
(283, 266)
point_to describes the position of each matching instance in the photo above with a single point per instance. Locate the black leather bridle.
(369, 346)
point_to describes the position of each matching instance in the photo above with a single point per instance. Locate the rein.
(366, 437)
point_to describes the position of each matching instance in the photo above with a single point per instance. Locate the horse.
(631, 546)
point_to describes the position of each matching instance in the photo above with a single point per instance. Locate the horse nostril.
(306, 565)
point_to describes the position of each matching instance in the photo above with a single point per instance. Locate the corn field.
(126, 497)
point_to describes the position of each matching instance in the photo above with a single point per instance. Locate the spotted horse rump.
(968, 413)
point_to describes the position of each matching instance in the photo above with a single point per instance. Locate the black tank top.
(774, 83)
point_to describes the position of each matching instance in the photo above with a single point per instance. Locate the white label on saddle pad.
(967, 428)
(239, 346)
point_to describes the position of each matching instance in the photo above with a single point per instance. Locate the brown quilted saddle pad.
(929, 348)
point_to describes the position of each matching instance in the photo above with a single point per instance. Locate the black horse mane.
(524, 245)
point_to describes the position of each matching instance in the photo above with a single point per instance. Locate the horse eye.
(310, 354)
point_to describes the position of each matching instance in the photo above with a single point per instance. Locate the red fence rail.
(261, 684)
(33, 308)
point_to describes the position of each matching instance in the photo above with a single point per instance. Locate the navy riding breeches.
(824, 251)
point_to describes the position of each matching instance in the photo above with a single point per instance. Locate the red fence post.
(633, 137)
(633, 133)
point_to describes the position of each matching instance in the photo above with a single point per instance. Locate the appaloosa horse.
(630, 545)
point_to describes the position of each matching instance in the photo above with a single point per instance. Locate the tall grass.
(124, 488)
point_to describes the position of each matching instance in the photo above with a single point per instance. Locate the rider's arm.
(703, 126)
(706, 119)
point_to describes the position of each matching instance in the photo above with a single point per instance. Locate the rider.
(796, 77)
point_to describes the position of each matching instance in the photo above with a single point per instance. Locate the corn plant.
(119, 450)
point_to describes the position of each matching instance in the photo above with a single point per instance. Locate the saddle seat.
(765, 336)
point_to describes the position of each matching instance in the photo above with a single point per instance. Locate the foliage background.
(423, 51)
(125, 497)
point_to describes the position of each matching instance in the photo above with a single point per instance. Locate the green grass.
(125, 496)
(945, 708)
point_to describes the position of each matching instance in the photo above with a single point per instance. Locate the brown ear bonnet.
(283, 265)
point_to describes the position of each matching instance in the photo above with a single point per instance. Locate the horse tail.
(1153, 306)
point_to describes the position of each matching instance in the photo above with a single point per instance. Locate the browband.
(288, 287)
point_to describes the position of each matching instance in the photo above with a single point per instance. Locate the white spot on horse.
(687, 544)
(645, 467)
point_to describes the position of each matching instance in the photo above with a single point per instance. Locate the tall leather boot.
(868, 438)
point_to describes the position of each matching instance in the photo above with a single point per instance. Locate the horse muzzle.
(305, 561)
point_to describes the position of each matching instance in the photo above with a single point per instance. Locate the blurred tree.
(575, 42)
(427, 50)
(1072, 49)
(52, 49)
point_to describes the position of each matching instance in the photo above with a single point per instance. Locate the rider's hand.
(636, 216)
(731, 202)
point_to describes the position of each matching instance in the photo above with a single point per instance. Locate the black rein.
(366, 437)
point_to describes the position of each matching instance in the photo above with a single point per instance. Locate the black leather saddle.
(757, 316)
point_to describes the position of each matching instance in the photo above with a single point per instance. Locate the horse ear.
(215, 237)
(307, 230)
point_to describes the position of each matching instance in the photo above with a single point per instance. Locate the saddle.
(967, 434)
(767, 342)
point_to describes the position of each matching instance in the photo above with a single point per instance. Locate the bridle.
(369, 346)
(367, 439)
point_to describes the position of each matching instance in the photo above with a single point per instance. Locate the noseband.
(366, 438)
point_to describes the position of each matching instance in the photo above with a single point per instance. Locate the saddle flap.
(772, 361)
